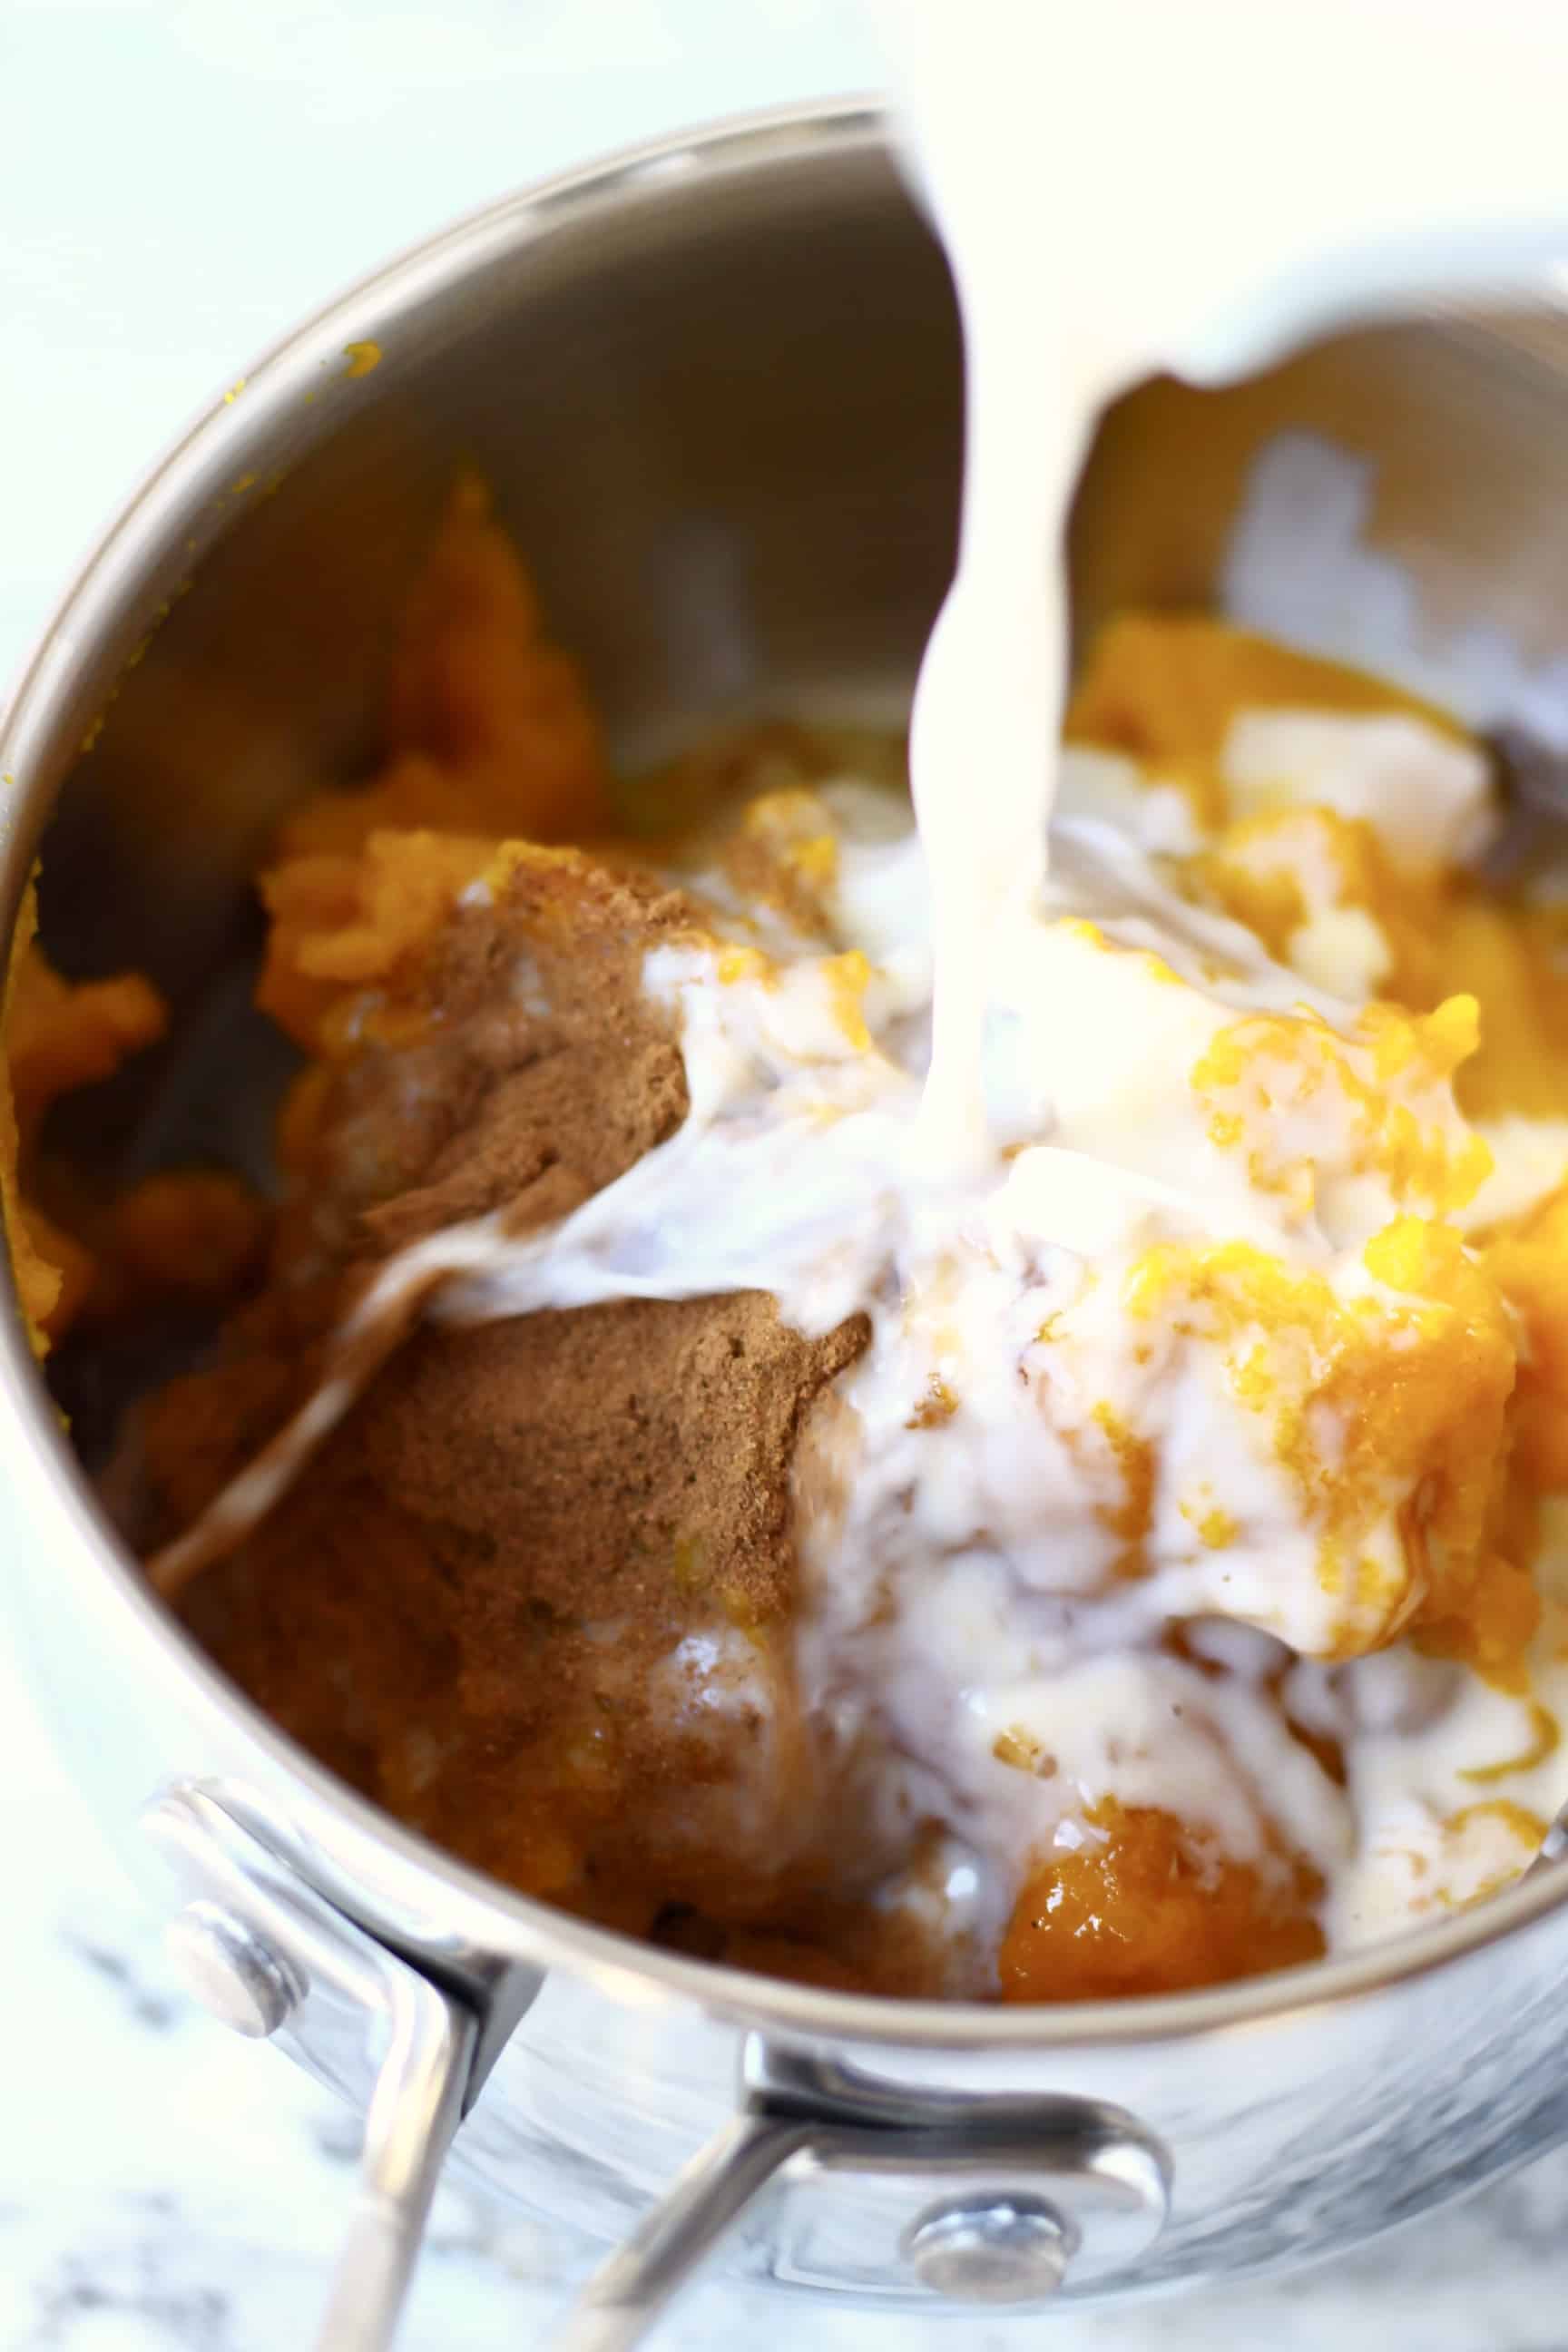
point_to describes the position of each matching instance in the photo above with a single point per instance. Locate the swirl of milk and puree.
(1145, 1465)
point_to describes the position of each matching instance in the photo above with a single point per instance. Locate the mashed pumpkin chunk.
(1143, 1906)
(1375, 1404)
(1169, 690)
(1529, 1260)
(56, 1035)
(490, 738)
(489, 729)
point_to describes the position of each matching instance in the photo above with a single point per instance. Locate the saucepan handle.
(414, 2111)
(267, 1954)
(1000, 2195)
(984, 2197)
(626, 2297)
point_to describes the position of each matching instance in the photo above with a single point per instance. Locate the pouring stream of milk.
(1090, 241)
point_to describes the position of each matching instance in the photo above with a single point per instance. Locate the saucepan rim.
(169, 512)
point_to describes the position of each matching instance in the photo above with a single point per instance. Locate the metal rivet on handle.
(1008, 2249)
(229, 1970)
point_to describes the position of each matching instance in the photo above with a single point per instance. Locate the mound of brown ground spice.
(533, 1594)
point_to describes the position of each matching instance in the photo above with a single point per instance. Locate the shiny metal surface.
(914, 2158)
(277, 1956)
(414, 2112)
(233, 1975)
(716, 387)
(630, 2292)
(1008, 2250)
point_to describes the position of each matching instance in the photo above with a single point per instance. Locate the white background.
(182, 179)
(179, 181)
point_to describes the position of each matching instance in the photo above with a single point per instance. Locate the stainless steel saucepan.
(715, 384)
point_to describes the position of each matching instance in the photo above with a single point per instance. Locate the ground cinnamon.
(474, 1602)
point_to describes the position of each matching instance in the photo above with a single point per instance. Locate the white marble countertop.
(167, 2187)
(179, 179)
